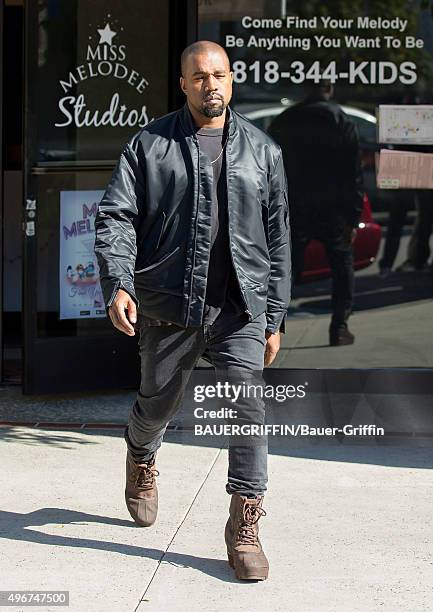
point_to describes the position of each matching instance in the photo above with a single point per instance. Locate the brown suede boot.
(244, 549)
(141, 493)
(340, 335)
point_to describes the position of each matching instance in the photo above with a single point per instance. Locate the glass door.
(95, 73)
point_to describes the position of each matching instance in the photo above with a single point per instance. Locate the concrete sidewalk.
(348, 525)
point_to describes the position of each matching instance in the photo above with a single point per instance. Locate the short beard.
(213, 112)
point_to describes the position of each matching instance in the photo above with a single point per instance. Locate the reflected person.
(323, 166)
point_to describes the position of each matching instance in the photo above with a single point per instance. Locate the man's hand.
(123, 301)
(272, 347)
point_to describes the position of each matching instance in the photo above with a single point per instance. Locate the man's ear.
(182, 84)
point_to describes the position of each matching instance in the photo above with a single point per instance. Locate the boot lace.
(250, 515)
(144, 475)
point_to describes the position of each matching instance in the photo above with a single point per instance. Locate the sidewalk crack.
(179, 526)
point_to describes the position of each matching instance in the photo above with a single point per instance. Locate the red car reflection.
(365, 248)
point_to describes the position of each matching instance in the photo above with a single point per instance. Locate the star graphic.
(106, 35)
(123, 108)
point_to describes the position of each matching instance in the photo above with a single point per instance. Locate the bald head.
(206, 81)
(203, 47)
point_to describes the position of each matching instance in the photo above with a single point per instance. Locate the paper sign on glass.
(406, 124)
(404, 170)
(80, 288)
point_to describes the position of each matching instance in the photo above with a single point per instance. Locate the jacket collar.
(190, 129)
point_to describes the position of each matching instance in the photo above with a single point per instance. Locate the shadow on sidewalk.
(398, 450)
(371, 292)
(14, 526)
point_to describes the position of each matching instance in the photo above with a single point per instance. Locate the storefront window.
(93, 81)
(95, 77)
(366, 55)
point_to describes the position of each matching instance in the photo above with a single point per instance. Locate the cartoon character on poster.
(80, 289)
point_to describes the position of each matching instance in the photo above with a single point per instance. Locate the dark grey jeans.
(169, 353)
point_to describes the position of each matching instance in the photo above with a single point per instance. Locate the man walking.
(322, 161)
(193, 245)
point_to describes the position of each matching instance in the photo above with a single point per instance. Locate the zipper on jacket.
(114, 293)
(248, 312)
(188, 314)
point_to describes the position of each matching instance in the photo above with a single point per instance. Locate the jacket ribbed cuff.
(276, 322)
(113, 287)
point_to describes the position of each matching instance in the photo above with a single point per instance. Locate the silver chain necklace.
(222, 149)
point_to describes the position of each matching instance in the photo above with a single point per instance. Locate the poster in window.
(80, 288)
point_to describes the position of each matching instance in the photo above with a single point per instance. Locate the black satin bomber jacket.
(153, 225)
